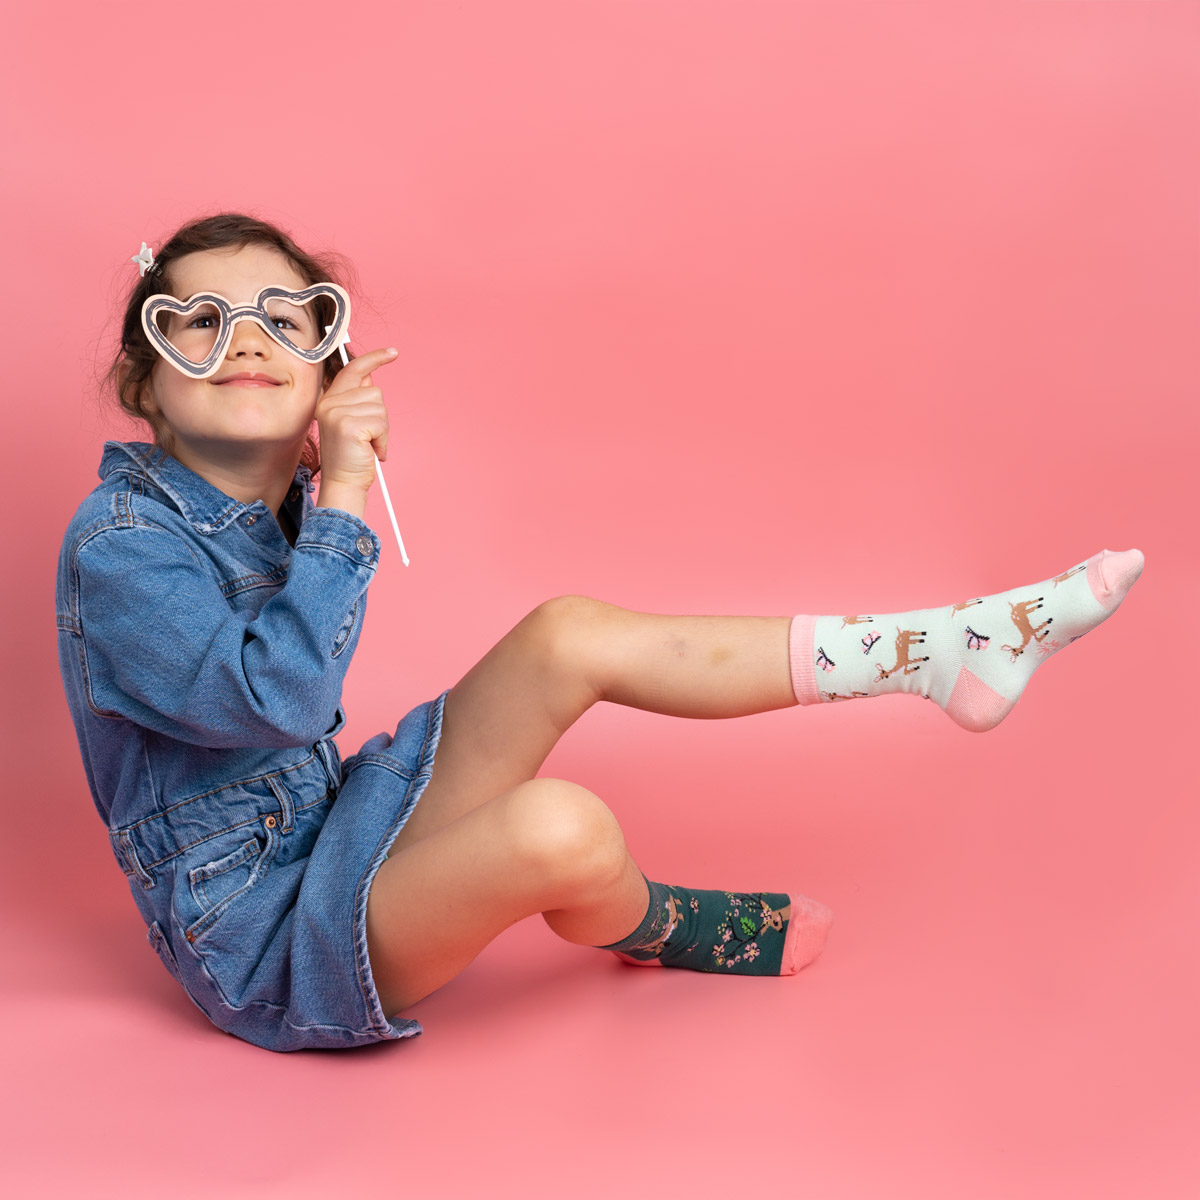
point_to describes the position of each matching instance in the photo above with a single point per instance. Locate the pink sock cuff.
(800, 650)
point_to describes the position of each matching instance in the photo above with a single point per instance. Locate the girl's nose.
(248, 338)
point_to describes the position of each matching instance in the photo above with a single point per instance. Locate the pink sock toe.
(1111, 574)
(808, 927)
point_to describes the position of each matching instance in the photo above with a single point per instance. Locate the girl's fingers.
(357, 372)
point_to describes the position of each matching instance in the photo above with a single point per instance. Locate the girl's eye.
(202, 321)
(284, 323)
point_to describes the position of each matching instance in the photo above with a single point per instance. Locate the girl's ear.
(143, 400)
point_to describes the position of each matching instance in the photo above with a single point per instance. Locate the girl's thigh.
(436, 902)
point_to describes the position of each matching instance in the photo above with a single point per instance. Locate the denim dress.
(203, 660)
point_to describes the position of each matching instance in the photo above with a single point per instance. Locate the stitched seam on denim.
(223, 788)
(325, 548)
(209, 834)
(130, 829)
(341, 518)
(214, 833)
(287, 810)
(107, 714)
(279, 1008)
(162, 947)
(127, 859)
(382, 760)
(362, 954)
(244, 583)
(370, 993)
(361, 1033)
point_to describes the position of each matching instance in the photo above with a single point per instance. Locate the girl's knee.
(563, 833)
(564, 624)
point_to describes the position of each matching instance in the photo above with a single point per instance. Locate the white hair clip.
(145, 261)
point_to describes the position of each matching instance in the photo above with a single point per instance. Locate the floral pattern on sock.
(747, 919)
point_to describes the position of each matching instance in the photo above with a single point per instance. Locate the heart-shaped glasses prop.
(193, 335)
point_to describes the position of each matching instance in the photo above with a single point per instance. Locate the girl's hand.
(353, 425)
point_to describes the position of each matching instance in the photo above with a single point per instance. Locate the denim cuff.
(340, 531)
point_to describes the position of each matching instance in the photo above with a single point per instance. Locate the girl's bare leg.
(489, 844)
(507, 713)
(545, 846)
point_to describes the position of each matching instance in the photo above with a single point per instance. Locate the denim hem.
(383, 1025)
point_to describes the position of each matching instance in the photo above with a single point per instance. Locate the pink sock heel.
(974, 705)
(637, 962)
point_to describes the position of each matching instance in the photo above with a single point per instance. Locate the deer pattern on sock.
(855, 621)
(957, 608)
(839, 696)
(906, 639)
(739, 933)
(773, 918)
(1067, 574)
(674, 915)
(1021, 613)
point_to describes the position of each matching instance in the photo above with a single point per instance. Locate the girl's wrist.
(346, 496)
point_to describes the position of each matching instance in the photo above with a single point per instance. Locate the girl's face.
(261, 396)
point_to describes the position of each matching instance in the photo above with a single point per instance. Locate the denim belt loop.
(287, 809)
(331, 760)
(126, 855)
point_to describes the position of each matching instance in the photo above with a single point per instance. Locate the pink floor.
(702, 307)
(1006, 1006)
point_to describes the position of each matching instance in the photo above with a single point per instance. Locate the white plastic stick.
(387, 500)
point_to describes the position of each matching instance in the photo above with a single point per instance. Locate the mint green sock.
(726, 933)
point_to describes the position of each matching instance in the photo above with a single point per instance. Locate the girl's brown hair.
(130, 370)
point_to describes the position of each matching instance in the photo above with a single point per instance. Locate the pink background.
(702, 307)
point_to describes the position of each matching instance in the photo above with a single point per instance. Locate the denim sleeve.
(164, 648)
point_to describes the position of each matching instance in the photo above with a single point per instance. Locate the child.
(208, 610)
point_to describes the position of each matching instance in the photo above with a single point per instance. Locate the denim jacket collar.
(205, 507)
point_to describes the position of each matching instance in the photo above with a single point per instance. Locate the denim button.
(251, 519)
(365, 546)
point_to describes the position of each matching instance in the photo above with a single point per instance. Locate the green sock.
(726, 933)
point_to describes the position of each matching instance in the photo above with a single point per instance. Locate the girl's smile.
(247, 379)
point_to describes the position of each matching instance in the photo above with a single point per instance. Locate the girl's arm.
(163, 647)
